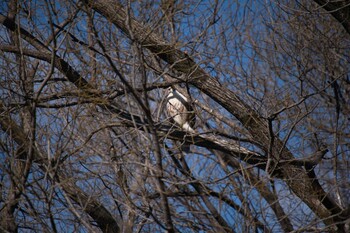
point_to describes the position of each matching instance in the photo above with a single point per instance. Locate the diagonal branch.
(181, 62)
(313, 196)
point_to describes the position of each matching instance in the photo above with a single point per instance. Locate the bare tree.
(86, 144)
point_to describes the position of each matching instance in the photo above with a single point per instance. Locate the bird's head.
(169, 90)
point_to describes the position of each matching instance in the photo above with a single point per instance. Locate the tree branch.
(92, 207)
(340, 10)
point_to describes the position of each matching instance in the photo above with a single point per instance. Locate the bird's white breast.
(176, 108)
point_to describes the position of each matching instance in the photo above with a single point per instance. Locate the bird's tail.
(188, 128)
(186, 147)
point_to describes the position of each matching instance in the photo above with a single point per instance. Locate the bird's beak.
(169, 90)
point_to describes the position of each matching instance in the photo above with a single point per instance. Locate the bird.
(181, 112)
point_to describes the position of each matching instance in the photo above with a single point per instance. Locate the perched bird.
(180, 111)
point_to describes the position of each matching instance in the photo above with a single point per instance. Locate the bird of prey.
(180, 111)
